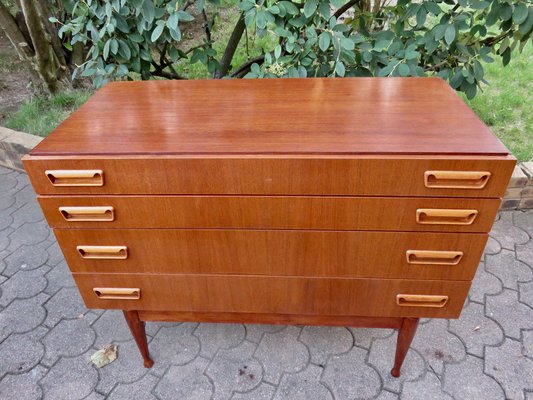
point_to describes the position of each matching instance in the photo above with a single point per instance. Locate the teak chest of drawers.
(358, 201)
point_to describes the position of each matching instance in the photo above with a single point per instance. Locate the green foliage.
(445, 38)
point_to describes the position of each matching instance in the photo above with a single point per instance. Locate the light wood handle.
(105, 293)
(456, 179)
(433, 257)
(83, 177)
(421, 300)
(100, 213)
(103, 252)
(436, 216)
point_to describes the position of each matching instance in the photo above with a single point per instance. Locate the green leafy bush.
(310, 38)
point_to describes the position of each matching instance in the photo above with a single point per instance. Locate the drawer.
(296, 253)
(435, 176)
(283, 295)
(271, 212)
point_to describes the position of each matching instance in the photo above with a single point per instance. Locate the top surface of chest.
(351, 116)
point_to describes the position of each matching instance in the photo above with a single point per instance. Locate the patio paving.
(47, 335)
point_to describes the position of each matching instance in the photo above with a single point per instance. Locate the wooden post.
(138, 332)
(406, 333)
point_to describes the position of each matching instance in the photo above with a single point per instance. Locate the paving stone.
(255, 332)
(381, 357)
(20, 353)
(152, 328)
(363, 336)
(282, 352)
(22, 315)
(70, 379)
(140, 390)
(66, 303)
(27, 214)
(95, 396)
(263, 392)
(55, 256)
(324, 341)
(218, 336)
(111, 327)
(174, 345)
(4, 237)
(234, 370)
(527, 343)
(484, 283)
(510, 314)
(476, 330)
(348, 376)
(508, 365)
(524, 252)
(508, 269)
(29, 234)
(127, 368)
(492, 246)
(26, 195)
(304, 385)
(466, 381)
(185, 382)
(437, 345)
(384, 395)
(23, 285)
(68, 338)
(58, 277)
(6, 200)
(506, 233)
(26, 258)
(429, 387)
(524, 220)
(6, 220)
(23, 386)
(8, 181)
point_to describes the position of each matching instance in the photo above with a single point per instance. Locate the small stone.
(510, 368)
(350, 377)
(185, 382)
(466, 381)
(324, 341)
(281, 352)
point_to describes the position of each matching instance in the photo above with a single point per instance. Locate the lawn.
(506, 103)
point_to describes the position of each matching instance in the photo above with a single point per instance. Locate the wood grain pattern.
(280, 175)
(284, 295)
(279, 212)
(273, 319)
(289, 116)
(292, 253)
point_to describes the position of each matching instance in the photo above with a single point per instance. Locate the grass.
(505, 104)
(42, 115)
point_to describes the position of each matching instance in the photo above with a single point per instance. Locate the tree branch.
(244, 68)
(231, 47)
(165, 74)
(207, 27)
(345, 8)
(14, 34)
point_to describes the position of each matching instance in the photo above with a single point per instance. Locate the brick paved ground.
(47, 336)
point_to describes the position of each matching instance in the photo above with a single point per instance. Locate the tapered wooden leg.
(406, 333)
(138, 332)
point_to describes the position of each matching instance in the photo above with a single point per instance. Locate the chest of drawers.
(359, 201)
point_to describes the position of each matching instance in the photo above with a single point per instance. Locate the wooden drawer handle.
(103, 252)
(421, 300)
(434, 257)
(106, 293)
(456, 179)
(65, 177)
(435, 216)
(103, 214)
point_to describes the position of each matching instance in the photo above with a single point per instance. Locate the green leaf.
(107, 47)
(421, 17)
(185, 16)
(520, 13)
(114, 46)
(403, 69)
(277, 51)
(324, 40)
(339, 68)
(506, 56)
(526, 26)
(148, 11)
(157, 32)
(337, 3)
(449, 34)
(172, 21)
(432, 7)
(310, 7)
(261, 19)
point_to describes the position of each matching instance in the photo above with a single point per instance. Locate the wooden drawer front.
(272, 212)
(285, 295)
(297, 253)
(281, 175)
